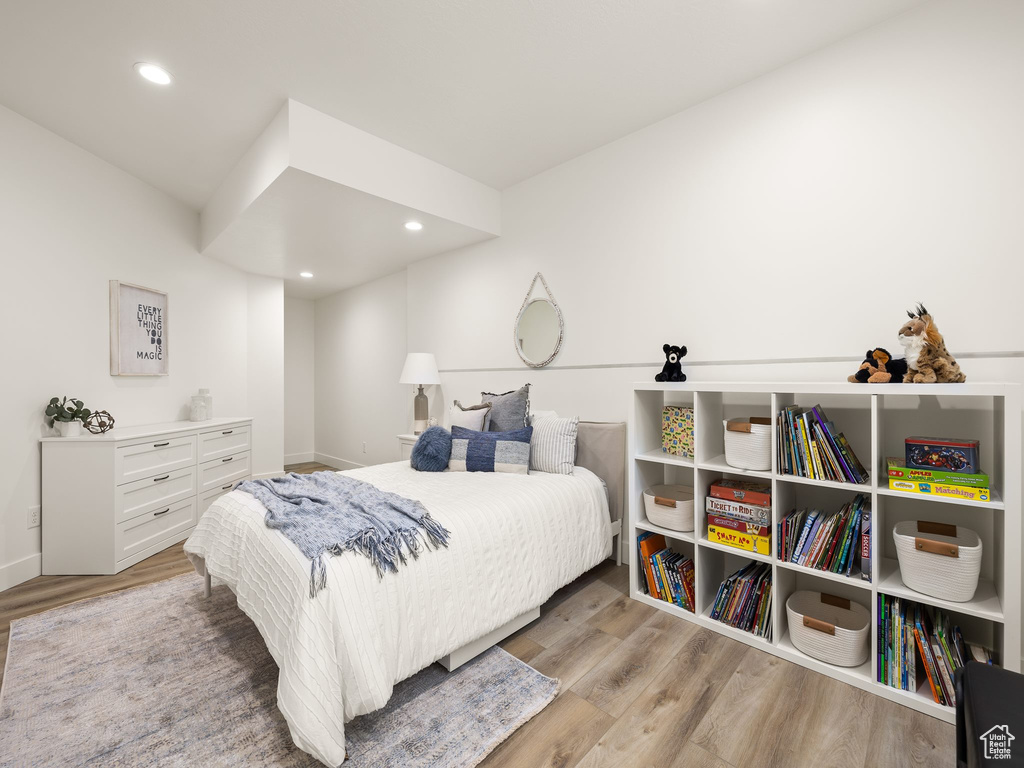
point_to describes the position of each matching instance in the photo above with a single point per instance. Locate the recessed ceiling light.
(153, 73)
(305, 274)
(413, 226)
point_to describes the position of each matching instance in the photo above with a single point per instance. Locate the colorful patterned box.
(677, 431)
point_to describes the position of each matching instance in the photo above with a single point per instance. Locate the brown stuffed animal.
(928, 360)
(879, 368)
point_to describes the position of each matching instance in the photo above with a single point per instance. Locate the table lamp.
(420, 369)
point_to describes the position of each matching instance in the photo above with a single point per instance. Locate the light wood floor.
(639, 688)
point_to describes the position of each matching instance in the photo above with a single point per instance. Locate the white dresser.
(112, 500)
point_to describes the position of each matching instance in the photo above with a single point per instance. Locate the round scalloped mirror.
(538, 329)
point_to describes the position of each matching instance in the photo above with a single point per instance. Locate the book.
(929, 668)
(687, 573)
(808, 525)
(762, 545)
(918, 645)
(925, 488)
(847, 452)
(846, 473)
(671, 573)
(658, 586)
(811, 446)
(978, 653)
(744, 600)
(898, 470)
(809, 542)
(825, 541)
(660, 576)
(738, 510)
(809, 461)
(865, 544)
(759, 494)
(648, 545)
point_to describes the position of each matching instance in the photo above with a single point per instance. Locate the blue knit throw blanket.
(328, 513)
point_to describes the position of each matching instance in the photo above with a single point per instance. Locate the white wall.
(360, 349)
(265, 371)
(791, 219)
(298, 380)
(70, 222)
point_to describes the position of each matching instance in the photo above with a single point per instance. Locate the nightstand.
(405, 444)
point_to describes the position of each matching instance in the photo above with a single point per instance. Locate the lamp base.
(419, 407)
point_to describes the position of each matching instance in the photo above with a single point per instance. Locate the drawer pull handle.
(158, 479)
(225, 487)
(228, 432)
(161, 512)
(229, 458)
(161, 445)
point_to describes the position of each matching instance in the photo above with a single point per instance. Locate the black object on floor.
(989, 717)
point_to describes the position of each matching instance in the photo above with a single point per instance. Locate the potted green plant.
(66, 415)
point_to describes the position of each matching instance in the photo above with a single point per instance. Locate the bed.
(515, 540)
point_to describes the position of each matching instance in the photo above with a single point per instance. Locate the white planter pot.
(68, 428)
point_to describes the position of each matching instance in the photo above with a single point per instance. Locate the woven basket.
(829, 628)
(748, 443)
(670, 506)
(938, 559)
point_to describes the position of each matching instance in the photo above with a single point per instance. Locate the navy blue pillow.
(432, 450)
(490, 451)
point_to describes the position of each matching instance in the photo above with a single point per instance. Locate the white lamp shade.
(420, 368)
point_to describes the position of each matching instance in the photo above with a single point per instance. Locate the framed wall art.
(138, 331)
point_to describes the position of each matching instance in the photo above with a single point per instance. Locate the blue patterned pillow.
(432, 450)
(490, 451)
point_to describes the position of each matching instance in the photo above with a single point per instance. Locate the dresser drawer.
(153, 493)
(219, 472)
(211, 496)
(223, 442)
(134, 462)
(144, 531)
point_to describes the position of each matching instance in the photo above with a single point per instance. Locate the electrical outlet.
(364, 447)
(33, 517)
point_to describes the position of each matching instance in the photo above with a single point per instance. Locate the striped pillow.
(553, 445)
(474, 451)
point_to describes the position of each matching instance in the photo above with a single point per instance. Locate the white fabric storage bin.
(670, 506)
(748, 443)
(938, 559)
(829, 628)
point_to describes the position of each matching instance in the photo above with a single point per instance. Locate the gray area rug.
(158, 676)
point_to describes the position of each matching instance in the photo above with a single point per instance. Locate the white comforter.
(515, 539)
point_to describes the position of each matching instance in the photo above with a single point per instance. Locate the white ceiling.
(304, 223)
(495, 90)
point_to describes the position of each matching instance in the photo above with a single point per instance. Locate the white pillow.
(553, 445)
(539, 415)
(472, 417)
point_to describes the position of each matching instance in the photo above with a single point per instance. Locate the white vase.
(205, 394)
(68, 428)
(197, 411)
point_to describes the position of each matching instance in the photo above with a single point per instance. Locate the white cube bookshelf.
(875, 419)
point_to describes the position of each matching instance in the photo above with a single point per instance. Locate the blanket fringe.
(385, 552)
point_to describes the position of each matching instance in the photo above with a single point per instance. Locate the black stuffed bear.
(673, 369)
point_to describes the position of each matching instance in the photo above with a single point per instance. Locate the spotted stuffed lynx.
(928, 360)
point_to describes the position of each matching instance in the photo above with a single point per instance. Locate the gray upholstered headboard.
(601, 448)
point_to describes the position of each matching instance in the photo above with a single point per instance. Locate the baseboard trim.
(266, 475)
(334, 461)
(15, 573)
(298, 458)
